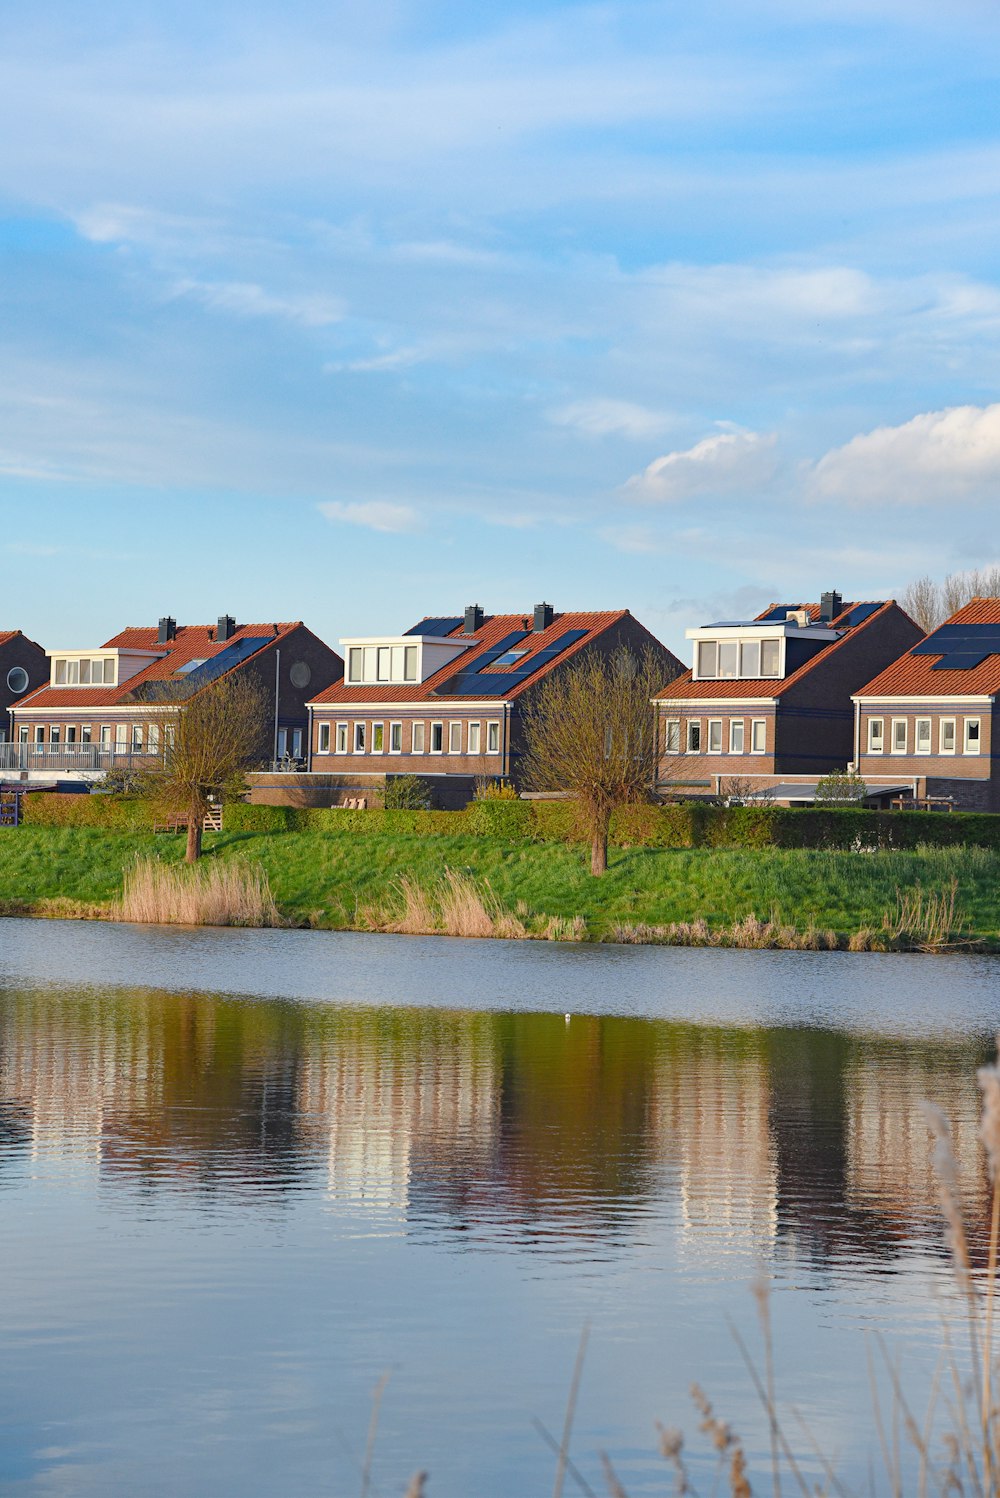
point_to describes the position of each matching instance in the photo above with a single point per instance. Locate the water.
(245, 1174)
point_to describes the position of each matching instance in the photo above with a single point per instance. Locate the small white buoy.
(567, 1019)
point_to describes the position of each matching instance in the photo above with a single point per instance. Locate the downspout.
(857, 737)
(277, 687)
(505, 766)
(309, 730)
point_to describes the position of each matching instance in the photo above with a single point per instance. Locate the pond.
(245, 1175)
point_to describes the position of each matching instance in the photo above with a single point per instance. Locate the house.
(444, 699)
(103, 708)
(770, 698)
(929, 717)
(23, 666)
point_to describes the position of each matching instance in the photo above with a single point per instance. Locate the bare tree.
(922, 601)
(929, 603)
(210, 740)
(591, 730)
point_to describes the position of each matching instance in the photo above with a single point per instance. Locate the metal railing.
(71, 757)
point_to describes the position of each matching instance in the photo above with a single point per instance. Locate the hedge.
(690, 825)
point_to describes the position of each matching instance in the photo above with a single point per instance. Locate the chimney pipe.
(226, 627)
(473, 619)
(830, 605)
(544, 615)
(167, 630)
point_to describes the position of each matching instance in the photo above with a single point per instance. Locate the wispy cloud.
(727, 462)
(374, 515)
(936, 457)
(244, 299)
(605, 417)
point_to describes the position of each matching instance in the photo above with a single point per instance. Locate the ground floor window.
(899, 735)
(694, 736)
(672, 737)
(323, 739)
(922, 736)
(493, 738)
(395, 738)
(454, 738)
(106, 735)
(22, 733)
(475, 736)
(972, 735)
(121, 735)
(378, 738)
(341, 738)
(417, 736)
(875, 740)
(359, 738)
(437, 738)
(39, 734)
(736, 729)
(152, 738)
(137, 736)
(947, 736)
(715, 735)
(758, 736)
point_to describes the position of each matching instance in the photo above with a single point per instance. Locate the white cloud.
(936, 457)
(375, 514)
(731, 460)
(603, 417)
(244, 299)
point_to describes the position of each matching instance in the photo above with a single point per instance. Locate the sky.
(359, 312)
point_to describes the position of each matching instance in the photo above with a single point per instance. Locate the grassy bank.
(348, 880)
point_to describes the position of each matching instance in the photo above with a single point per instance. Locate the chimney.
(226, 627)
(830, 605)
(544, 615)
(167, 630)
(473, 619)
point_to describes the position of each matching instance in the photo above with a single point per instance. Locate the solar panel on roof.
(460, 685)
(439, 627)
(233, 654)
(858, 615)
(965, 638)
(961, 661)
(549, 653)
(777, 614)
(495, 683)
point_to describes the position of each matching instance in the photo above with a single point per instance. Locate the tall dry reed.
(219, 893)
(456, 905)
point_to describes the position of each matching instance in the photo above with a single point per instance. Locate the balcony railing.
(71, 757)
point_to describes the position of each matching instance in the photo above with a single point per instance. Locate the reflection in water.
(509, 1126)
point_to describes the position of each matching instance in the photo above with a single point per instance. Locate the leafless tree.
(591, 730)
(929, 603)
(210, 741)
(922, 601)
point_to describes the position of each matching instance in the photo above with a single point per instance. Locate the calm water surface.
(244, 1174)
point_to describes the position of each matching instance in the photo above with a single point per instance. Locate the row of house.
(767, 707)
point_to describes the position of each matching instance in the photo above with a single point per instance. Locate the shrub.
(500, 814)
(112, 813)
(406, 793)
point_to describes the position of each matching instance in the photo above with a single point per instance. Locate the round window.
(17, 680)
(300, 674)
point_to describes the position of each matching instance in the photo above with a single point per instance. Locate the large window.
(899, 735)
(672, 737)
(71, 672)
(875, 735)
(694, 736)
(375, 663)
(725, 660)
(736, 728)
(947, 743)
(758, 736)
(922, 736)
(972, 736)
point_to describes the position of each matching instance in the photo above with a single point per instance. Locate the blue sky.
(353, 313)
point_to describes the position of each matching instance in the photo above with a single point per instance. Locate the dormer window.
(731, 660)
(83, 671)
(369, 664)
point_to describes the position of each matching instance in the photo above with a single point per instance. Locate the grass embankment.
(349, 880)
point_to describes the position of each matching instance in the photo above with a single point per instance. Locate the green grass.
(324, 878)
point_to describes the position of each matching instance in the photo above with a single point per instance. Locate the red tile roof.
(491, 632)
(686, 688)
(914, 675)
(191, 642)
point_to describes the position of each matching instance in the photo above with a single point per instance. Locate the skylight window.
(191, 666)
(510, 659)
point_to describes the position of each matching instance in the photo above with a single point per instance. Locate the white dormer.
(97, 668)
(395, 660)
(752, 650)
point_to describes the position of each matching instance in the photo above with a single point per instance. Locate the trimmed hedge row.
(690, 825)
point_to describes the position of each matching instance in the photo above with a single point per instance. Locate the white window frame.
(493, 737)
(776, 673)
(23, 733)
(452, 735)
(756, 723)
(734, 725)
(968, 722)
(439, 726)
(418, 729)
(360, 740)
(152, 738)
(893, 725)
(135, 740)
(106, 738)
(672, 731)
(713, 723)
(881, 736)
(396, 738)
(341, 739)
(39, 733)
(86, 733)
(378, 731)
(953, 725)
(930, 736)
(475, 732)
(121, 737)
(322, 738)
(693, 732)
(55, 733)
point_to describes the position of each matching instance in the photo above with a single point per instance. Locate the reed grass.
(233, 893)
(456, 905)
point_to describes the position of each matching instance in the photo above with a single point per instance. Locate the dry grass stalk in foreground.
(213, 894)
(457, 906)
